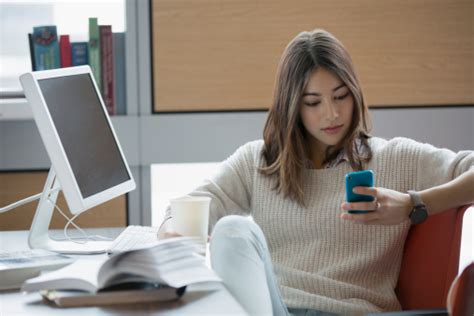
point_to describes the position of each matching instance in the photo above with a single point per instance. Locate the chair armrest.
(460, 294)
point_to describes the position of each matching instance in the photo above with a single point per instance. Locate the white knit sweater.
(320, 260)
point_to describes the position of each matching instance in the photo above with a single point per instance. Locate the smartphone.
(363, 178)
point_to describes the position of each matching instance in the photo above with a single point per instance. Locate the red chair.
(461, 295)
(431, 260)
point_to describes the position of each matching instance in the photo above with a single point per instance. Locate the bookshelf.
(22, 150)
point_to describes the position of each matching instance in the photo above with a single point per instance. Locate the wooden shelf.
(15, 109)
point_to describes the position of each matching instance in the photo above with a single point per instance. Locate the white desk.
(198, 300)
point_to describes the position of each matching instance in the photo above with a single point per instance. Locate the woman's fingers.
(372, 191)
(361, 206)
(389, 207)
(172, 234)
(362, 218)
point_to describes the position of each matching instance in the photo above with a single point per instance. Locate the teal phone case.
(363, 178)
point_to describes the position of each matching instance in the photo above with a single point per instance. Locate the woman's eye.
(312, 104)
(342, 96)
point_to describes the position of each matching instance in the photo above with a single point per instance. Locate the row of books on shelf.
(104, 53)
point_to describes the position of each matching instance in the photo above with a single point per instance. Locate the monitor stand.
(39, 235)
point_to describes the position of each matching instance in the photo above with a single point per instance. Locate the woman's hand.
(388, 208)
(162, 234)
(171, 235)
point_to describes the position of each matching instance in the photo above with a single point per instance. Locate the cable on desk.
(70, 221)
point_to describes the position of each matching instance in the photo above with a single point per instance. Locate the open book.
(171, 263)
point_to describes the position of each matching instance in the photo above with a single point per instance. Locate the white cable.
(70, 221)
(24, 201)
(73, 224)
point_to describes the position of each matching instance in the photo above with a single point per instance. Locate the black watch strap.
(419, 213)
(415, 198)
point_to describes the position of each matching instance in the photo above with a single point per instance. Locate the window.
(173, 180)
(17, 18)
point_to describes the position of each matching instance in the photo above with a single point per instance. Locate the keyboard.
(18, 266)
(134, 237)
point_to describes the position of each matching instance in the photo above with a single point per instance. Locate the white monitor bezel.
(76, 202)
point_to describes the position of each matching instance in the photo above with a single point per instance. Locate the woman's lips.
(333, 130)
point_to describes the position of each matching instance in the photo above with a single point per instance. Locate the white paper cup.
(190, 216)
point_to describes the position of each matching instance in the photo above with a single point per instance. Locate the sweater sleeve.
(230, 187)
(440, 165)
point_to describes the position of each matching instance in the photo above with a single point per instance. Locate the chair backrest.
(460, 300)
(430, 261)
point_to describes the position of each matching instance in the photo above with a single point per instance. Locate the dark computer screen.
(84, 132)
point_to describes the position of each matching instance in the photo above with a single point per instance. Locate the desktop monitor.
(87, 162)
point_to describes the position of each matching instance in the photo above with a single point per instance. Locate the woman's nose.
(331, 112)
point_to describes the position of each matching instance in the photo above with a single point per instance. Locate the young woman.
(302, 253)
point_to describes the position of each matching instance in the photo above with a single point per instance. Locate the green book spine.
(94, 51)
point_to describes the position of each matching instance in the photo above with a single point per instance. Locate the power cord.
(24, 201)
(70, 221)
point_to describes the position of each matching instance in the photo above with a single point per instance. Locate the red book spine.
(107, 61)
(65, 51)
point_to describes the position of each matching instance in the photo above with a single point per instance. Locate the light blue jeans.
(240, 256)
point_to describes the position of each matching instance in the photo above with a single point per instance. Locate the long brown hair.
(285, 151)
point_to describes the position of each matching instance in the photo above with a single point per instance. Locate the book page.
(195, 274)
(144, 259)
(80, 275)
(177, 255)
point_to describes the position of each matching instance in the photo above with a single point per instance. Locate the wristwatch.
(419, 213)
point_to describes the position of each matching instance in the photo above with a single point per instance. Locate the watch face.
(418, 215)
